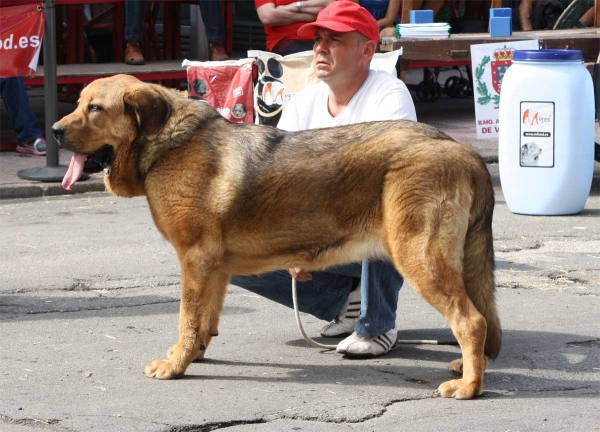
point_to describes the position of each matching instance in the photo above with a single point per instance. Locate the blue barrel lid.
(548, 55)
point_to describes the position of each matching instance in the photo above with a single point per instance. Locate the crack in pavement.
(207, 427)
(553, 390)
(343, 419)
(11, 312)
(105, 285)
(97, 308)
(595, 343)
(46, 424)
(113, 284)
(401, 375)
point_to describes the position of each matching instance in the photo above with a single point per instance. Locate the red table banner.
(21, 34)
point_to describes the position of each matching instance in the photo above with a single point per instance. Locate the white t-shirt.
(381, 97)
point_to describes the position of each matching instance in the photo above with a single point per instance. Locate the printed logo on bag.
(271, 91)
(238, 92)
(200, 89)
(278, 80)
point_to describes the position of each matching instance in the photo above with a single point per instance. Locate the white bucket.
(546, 136)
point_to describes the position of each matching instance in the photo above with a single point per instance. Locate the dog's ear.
(151, 108)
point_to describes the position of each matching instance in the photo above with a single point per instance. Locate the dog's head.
(534, 150)
(530, 149)
(111, 112)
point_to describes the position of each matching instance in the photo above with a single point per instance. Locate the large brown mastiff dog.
(240, 199)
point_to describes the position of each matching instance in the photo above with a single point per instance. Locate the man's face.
(337, 55)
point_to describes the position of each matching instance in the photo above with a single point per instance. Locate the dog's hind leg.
(442, 287)
(202, 296)
(430, 258)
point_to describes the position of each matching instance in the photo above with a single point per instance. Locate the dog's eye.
(93, 107)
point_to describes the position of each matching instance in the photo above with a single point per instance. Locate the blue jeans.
(327, 292)
(22, 118)
(211, 16)
(134, 19)
(213, 20)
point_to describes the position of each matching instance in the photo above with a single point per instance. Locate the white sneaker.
(358, 347)
(343, 324)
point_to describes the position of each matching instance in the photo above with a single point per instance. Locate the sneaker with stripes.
(358, 347)
(36, 147)
(343, 324)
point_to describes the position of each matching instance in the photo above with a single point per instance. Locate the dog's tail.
(479, 263)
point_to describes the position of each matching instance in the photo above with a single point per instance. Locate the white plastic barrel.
(546, 136)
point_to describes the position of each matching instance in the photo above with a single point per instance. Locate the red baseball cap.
(344, 16)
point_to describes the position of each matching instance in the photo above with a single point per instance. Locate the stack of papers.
(423, 31)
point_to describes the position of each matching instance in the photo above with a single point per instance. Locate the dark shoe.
(133, 54)
(37, 147)
(217, 52)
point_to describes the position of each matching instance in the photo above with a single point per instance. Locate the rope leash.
(332, 347)
(297, 313)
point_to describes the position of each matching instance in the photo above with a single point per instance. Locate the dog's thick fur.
(245, 199)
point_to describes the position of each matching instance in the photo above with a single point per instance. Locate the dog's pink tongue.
(74, 172)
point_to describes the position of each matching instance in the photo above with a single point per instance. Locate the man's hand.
(299, 274)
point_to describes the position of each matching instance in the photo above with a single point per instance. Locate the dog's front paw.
(460, 389)
(162, 369)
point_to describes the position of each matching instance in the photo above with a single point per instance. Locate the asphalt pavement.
(89, 294)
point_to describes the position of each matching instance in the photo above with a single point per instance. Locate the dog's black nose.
(58, 131)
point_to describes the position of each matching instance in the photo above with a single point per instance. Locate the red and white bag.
(226, 85)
